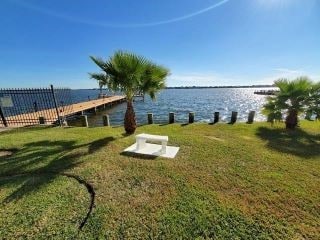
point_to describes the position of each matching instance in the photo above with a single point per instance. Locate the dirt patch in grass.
(215, 138)
(7, 152)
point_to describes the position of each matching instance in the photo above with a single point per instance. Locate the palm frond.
(131, 73)
(99, 62)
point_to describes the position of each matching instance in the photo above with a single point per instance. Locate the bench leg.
(164, 147)
(141, 143)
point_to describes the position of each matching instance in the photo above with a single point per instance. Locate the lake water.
(204, 102)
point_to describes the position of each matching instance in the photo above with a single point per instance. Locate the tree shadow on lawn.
(25, 129)
(296, 142)
(37, 164)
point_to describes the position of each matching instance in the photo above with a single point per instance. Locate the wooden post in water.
(234, 117)
(106, 120)
(84, 121)
(42, 120)
(150, 118)
(191, 117)
(171, 117)
(251, 117)
(216, 117)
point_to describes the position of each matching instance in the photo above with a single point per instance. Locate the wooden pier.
(79, 108)
(50, 116)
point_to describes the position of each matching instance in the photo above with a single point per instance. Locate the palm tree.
(293, 96)
(130, 73)
(314, 105)
(102, 79)
(271, 110)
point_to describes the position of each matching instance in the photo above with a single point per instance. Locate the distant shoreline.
(201, 87)
(204, 87)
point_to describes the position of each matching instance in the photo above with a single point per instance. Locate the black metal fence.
(28, 106)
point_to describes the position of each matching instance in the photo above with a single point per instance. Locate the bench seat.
(141, 140)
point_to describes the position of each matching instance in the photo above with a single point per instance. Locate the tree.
(293, 96)
(272, 110)
(102, 79)
(314, 101)
(130, 74)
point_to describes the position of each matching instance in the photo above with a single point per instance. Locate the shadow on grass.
(164, 124)
(26, 129)
(297, 142)
(126, 135)
(98, 144)
(138, 156)
(42, 162)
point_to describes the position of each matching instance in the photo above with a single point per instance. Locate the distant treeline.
(201, 87)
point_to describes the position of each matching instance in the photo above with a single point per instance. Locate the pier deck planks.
(51, 115)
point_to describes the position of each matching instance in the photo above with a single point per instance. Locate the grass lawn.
(227, 182)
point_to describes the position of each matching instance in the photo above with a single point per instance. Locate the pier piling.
(171, 117)
(150, 118)
(191, 117)
(216, 117)
(84, 121)
(106, 120)
(42, 120)
(234, 117)
(251, 117)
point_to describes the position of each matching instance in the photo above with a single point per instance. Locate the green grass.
(227, 182)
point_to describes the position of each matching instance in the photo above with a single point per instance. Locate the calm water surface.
(204, 102)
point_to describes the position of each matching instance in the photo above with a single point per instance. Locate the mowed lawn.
(227, 182)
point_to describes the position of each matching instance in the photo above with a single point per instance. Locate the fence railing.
(30, 106)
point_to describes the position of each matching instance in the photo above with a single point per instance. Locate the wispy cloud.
(69, 18)
(278, 73)
(289, 71)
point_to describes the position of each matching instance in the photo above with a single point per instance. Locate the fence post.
(150, 118)
(251, 117)
(35, 106)
(171, 117)
(234, 117)
(3, 118)
(106, 120)
(216, 117)
(191, 117)
(55, 105)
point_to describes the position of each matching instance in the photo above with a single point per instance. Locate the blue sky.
(207, 42)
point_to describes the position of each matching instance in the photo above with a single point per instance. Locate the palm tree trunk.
(292, 119)
(130, 124)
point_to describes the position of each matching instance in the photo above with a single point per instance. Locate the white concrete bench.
(141, 140)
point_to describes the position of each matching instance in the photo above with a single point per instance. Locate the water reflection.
(204, 102)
